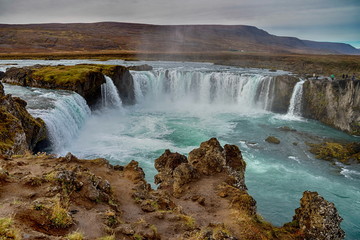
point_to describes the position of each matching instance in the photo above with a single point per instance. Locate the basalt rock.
(317, 218)
(282, 88)
(333, 103)
(19, 131)
(144, 67)
(273, 140)
(2, 74)
(124, 82)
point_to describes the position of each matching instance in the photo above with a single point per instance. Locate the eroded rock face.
(333, 103)
(318, 218)
(20, 131)
(282, 90)
(124, 82)
(175, 170)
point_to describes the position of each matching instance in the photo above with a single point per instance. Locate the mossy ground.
(62, 75)
(7, 230)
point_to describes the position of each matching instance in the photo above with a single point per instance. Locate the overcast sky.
(320, 20)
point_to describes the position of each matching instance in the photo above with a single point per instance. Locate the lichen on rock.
(317, 218)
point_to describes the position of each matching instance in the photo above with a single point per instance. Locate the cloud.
(284, 17)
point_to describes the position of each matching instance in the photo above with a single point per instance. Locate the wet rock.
(235, 165)
(2, 74)
(282, 88)
(273, 140)
(124, 82)
(318, 218)
(144, 67)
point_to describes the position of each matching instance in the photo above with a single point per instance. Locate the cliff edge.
(84, 79)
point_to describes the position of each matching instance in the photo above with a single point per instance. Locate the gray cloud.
(327, 20)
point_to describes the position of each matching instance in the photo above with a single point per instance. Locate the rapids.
(180, 105)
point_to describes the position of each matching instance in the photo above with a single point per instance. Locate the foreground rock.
(85, 79)
(19, 131)
(200, 197)
(318, 218)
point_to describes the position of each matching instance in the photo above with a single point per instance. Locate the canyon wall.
(336, 104)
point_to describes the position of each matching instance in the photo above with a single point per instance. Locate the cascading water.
(109, 94)
(295, 106)
(243, 91)
(64, 112)
(65, 120)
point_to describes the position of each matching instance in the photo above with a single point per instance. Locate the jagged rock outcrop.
(333, 103)
(19, 131)
(282, 88)
(176, 170)
(318, 219)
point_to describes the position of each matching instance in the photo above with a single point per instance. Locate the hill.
(113, 36)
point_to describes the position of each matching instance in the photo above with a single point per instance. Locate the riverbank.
(302, 64)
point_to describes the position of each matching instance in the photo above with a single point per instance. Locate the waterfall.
(204, 87)
(109, 94)
(64, 121)
(296, 100)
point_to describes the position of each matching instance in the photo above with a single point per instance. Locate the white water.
(110, 95)
(203, 88)
(64, 112)
(295, 106)
(194, 102)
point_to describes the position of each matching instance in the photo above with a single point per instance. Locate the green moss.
(63, 75)
(7, 230)
(59, 216)
(7, 131)
(112, 237)
(75, 236)
(336, 151)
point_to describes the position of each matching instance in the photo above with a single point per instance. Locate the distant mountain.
(155, 38)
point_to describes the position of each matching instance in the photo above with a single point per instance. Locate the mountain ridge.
(119, 36)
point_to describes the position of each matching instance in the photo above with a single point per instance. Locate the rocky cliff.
(19, 131)
(282, 88)
(85, 79)
(200, 197)
(333, 103)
